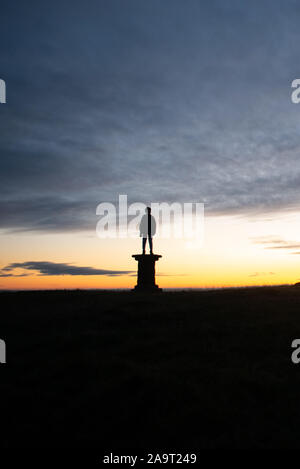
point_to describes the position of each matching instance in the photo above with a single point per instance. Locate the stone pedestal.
(146, 272)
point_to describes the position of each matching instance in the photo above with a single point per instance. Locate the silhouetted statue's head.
(148, 209)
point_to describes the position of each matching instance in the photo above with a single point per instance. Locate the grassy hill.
(208, 369)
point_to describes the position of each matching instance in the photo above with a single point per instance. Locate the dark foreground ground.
(171, 370)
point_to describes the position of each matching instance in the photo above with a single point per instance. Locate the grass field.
(203, 369)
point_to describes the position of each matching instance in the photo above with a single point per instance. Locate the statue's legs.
(150, 245)
(144, 244)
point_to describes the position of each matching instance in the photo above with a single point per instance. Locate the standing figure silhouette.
(147, 229)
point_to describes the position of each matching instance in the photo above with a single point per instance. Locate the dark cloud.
(47, 214)
(13, 275)
(54, 268)
(162, 101)
(268, 240)
(273, 242)
(260, 274)
(285, 246)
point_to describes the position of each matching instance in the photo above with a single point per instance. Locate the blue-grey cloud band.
(55, 268)
(163, 102)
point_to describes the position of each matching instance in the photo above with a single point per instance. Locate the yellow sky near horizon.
(237, 251)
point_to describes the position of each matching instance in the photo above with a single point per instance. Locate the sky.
(164, 101)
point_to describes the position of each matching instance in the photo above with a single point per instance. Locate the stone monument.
(146, 262)
(146, 272)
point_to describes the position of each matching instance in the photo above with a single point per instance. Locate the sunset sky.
(161, 100)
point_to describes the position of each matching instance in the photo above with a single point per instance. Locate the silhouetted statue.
(146, 263)
(147, 229)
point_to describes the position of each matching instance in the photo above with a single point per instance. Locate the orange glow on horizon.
(232, 255)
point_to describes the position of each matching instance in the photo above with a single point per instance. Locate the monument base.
(146, 273)
(155, 289)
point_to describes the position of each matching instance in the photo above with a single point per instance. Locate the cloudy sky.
(162, 100)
